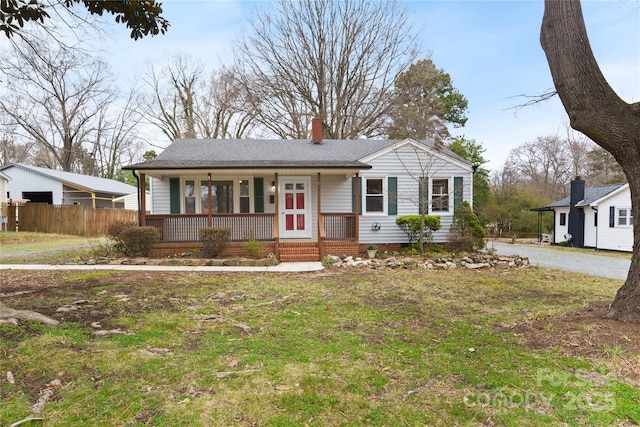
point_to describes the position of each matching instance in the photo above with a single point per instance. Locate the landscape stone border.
(187, 262)
(469, 261)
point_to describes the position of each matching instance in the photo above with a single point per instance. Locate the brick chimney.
(316, 130)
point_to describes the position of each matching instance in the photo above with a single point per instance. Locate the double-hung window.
(189, 197)
(374, 195)
(625, 217)
(245, 196)
(440, 195)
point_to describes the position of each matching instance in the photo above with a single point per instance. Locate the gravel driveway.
(543, 256)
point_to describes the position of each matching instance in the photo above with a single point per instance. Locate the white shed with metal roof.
(42, 185)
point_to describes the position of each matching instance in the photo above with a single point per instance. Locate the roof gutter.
(208, 167)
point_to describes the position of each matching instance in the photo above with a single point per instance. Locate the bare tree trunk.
(597, 111)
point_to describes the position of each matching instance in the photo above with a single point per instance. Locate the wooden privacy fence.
(70, 219)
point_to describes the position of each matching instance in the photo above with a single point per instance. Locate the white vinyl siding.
(616, 238)
(23, 180)
(3, 190)
(407, 167)
(160, 199)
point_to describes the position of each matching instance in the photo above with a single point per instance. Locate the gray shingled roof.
(590, 195)
(90, 183)
(268, 153)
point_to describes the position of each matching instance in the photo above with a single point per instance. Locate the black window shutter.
(174, 195)
(353, 195)
(457, 190)
(612, 216)
(392, 189)
(258, 195)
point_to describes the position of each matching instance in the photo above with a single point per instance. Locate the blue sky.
(491, 50)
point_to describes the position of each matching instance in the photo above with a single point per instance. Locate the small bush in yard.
(466, 232)
(254, 248)
(116, 232)
(138, 240)
(215, 240)
(411, 224)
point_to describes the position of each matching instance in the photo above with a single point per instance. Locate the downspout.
(133, 172)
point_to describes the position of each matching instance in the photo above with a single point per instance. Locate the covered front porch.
(286, 214)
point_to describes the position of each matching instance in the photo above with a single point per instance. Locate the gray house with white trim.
(315, 196)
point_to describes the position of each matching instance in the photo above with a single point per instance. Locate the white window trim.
(628, 217)
(385, 196)
(236, 194)
(198, 194)
(448, 212)
(562, 223)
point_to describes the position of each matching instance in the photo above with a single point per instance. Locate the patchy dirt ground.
(584, 333)
(587, 332)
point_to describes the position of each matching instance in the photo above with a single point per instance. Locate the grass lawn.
(523, 347)
(24, 247)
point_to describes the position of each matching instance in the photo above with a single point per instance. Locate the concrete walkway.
(283, 267)
(544, 256)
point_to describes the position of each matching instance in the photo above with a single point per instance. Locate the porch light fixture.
(273, 186)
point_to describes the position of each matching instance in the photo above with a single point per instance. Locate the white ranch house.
(302, 199)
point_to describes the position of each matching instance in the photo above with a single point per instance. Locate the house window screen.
(440, 195)
(625, 218)
(245, 197)
(190, 197)
(374, 195)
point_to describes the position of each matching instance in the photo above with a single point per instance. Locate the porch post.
(276, 216)
(320, 221)
(357, 207)
(209, 202)
(142, 197)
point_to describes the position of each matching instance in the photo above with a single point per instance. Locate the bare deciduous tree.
(333, 59)
(545, 162)
(12, 150)
(116, 140)
(64, 103)
(597, 111)
(184, 104)
(53, 95)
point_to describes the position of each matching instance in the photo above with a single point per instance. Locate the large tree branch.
(592, 105)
